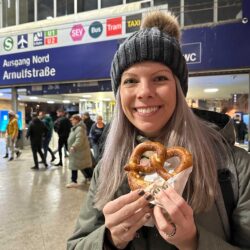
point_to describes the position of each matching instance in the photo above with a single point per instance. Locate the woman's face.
(74, 121)
(148, 96)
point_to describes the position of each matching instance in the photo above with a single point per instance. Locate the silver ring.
(125, 229)
(173, 231)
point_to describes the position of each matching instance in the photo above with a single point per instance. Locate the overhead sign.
(192, 52)
(22, 41)
(51, 55)
(67, 34)
(114, 26)
(50, 37)
(77, 32)
(50, 65)
(133, 23)
(38, 39)
(77, 87)
(95, 29)
(8, 44)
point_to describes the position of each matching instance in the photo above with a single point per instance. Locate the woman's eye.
(161, 78)
(130, 80)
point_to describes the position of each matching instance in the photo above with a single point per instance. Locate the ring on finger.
(173, 232)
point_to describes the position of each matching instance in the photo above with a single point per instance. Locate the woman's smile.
(147, 111)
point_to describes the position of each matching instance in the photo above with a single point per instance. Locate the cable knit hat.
(157, 40)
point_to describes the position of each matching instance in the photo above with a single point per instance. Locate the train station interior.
(56, 54)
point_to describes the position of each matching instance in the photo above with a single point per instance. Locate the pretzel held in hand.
(136, 171)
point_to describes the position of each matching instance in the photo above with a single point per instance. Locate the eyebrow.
(135, 75)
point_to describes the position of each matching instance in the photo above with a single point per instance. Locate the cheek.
(125, 100)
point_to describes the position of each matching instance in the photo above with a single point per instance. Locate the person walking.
(95, 135)
(149, 76)
(79, 151)
(11, 137)
(88, 121)
(47, 120)
(36, 132)
(62, 126)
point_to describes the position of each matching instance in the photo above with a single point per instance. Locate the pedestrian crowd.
(78, 138)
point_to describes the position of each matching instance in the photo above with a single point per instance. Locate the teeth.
(147, 110)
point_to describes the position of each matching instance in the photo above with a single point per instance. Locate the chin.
(150, 133)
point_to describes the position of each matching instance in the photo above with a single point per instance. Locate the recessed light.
(50, 102)
(66, 101)
(87, 96)
(33, 97)
(211, 90)
(83, 100)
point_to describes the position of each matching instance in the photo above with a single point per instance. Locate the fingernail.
(141, 192)
(151, 205)
(148, 197)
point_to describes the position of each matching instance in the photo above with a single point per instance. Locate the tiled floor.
(37, 211)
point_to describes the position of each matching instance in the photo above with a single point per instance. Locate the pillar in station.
(14, 103)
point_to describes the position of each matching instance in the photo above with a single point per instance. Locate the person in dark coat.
(36, 132)
(87, 121)
(95, 135)
(62, 126)
(47, 120)
(240, 129)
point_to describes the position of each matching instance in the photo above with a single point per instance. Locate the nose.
(145, 89)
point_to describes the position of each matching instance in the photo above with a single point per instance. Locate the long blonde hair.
(183, 129)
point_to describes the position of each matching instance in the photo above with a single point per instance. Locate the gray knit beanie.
(157, 40)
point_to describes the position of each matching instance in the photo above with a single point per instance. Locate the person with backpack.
(36, 132)
(62, 126)
(48, 122)
(149, 77)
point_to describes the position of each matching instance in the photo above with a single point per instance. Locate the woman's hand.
(125, 215)
(175, 221)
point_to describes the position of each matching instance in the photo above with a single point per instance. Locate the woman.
(149, 77)
(79, 150)
(95, 135)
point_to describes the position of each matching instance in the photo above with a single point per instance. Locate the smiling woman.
(150, 80)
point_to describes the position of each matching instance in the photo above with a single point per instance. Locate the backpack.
(224, 178)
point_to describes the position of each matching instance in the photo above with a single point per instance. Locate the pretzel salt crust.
(136, 171)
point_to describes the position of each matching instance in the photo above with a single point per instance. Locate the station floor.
(37, 211)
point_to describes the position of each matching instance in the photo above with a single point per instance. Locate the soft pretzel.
(136, 171)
